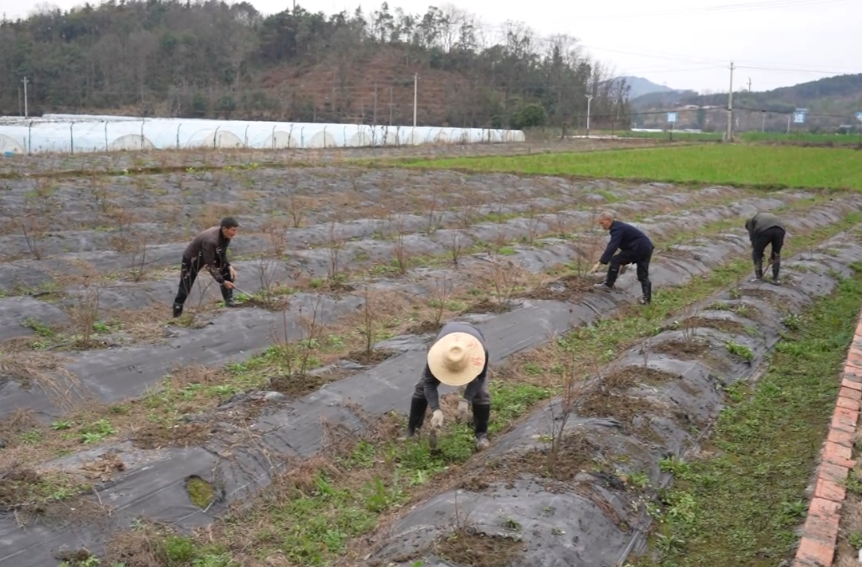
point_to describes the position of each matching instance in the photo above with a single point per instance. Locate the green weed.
(741, 507)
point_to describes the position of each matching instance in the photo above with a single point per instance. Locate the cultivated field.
(268, 434)
(746, 165)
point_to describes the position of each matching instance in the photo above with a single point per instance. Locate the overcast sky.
(681, 43)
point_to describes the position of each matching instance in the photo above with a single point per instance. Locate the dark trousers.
(642, 260)
(774, 238)
(189, 273)
(481, 408)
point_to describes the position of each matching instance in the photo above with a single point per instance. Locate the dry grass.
(469, 547)
(144, 325)
(45, 371)
(49, 496)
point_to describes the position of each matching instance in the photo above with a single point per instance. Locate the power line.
(722, 8)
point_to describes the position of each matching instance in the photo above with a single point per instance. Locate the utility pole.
(25, 97)
(749, 84)
(730, 107)
(375, 103)
(415, 96)
(589, 100)
(763, 122)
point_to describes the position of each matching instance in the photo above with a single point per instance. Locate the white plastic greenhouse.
(68, 133)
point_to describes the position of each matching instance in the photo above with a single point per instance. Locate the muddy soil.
(467, 547)
(567, 288)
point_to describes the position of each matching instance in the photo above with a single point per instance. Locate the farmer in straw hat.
(458, 357)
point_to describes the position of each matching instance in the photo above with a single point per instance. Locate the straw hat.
(456, 359)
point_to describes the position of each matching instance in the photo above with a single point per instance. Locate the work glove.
(596, 268)
(232, 273)
(437, 419)
(462, 410)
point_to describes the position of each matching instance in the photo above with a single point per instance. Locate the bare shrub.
(335, 245)
(267, 265)
(501, 238)
(504, 278)
(296, 206)
(572, 382)
(433, 204)
(399, 250)
(101, 192)
(581, 266)
(33, 227)
(561, 222)
(84, 312)
(456, 245)
(298, 355)
(126, 240)
(276, 236)
(142, 183)
(532, 222)
(372, 309)
(645, 351)
(440, 297)
(467, 215)
(689, 331)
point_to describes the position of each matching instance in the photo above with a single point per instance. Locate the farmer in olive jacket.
(766, 229)
(634, 246)
(208, 250)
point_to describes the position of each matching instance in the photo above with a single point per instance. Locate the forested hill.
(211, 59)
(839, 97)
(842, 93)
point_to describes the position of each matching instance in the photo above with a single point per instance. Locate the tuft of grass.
(201, 493)
(750, 165)
(742, 506)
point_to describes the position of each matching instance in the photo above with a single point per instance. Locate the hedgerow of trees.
(211, 59)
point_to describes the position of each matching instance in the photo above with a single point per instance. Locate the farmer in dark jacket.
(766, 229)
(634, 246)
(458, 357)
(209, 250)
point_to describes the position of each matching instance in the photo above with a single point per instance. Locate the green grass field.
(792, 138)
(750, 165)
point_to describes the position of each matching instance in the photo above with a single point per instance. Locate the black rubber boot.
(178, 309)
(776, 268)
(610, 279)
(481, 416)
(417, 415)
(758, 270)
(646, 288)
(227, 295)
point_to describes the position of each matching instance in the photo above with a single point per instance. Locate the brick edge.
(820, 532)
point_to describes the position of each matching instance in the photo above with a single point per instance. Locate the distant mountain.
(640, 86)
(841, 94)
(664, 99)
(831, 102)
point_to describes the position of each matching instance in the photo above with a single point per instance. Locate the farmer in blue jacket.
(634, 246)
